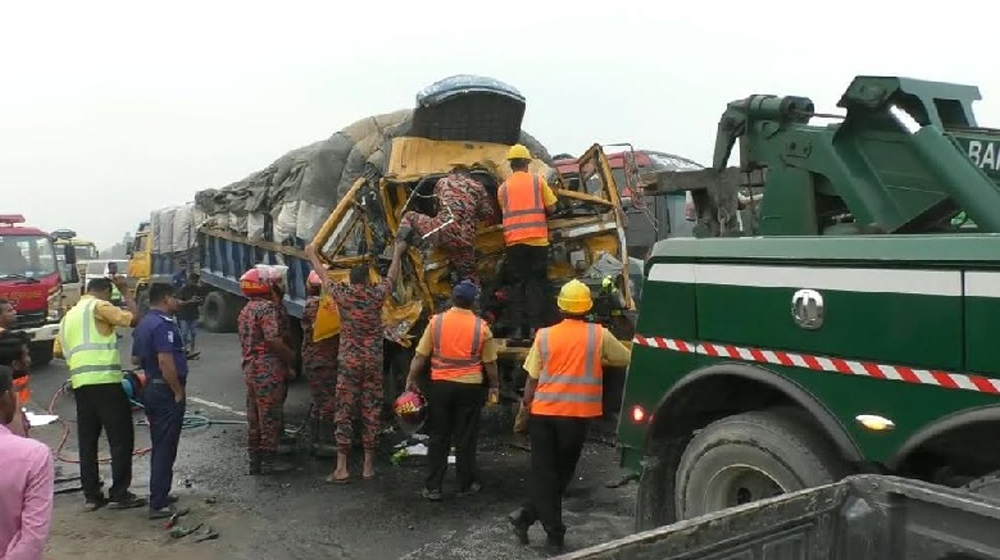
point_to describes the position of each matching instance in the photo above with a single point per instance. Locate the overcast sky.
(111, 109)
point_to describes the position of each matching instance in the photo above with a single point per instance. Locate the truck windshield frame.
(27, 256)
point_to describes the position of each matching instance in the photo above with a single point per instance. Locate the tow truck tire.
(752, 456)
(41, 353)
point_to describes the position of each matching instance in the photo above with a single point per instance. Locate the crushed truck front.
(586, 234)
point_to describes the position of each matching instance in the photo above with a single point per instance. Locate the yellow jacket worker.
(89, 344)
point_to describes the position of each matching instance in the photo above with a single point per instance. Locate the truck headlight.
(55, 310)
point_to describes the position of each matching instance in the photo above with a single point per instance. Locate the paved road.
(298, 515)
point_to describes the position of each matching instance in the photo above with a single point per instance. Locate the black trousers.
(527, 271)
(104, 407)
(556, 444)
(455, 411)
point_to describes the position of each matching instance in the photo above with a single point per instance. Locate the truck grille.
(30, 320)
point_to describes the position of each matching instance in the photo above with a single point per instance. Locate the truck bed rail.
(864, 517)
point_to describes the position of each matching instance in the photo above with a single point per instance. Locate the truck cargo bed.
(864, 517)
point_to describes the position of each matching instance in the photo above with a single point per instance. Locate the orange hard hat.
(252, 284)
(314, 279)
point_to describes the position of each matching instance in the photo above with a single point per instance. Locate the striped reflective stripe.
(589, 377)
(87, 344)
(938, 378)
(536, 210)
(474, 352)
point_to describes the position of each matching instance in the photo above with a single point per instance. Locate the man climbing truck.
(848, 328)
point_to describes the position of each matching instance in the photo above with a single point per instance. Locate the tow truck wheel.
(752, 456)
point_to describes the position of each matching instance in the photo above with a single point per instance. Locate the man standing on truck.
(319, 360)
(267, 361)
(459, 346)
(564, 391)
(462, 204)
(526, 200)
(359, 373)
(88, 342)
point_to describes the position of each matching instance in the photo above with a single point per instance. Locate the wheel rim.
(737, 485)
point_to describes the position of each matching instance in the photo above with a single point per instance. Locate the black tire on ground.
(219, 316)
(751, 456)
(41, 353)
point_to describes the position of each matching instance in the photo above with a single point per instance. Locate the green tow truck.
(851, 325)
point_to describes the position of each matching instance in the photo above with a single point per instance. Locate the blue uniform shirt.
(157, 333)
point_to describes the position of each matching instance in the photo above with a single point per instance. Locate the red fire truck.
(31, 277)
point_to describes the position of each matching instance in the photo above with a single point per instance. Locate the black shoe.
(431, 495)
(472, 490)
(554, 545)
(167, 512)
(520, 526)
(94, 504)
(129, 501)
(271, 464)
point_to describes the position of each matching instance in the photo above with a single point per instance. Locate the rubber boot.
(254, 467)
(271, 463)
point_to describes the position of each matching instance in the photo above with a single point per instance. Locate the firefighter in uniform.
(319, 361)
(525, 201)
(460, 346)
(267, 360)
(564, 391)
(22, 383)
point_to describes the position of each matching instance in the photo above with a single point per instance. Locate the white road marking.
(218, 406)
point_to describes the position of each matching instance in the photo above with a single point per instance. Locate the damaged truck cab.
(586, 234)
(848, 327)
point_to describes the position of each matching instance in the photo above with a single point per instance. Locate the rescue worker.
(89, 344)
(459, 346)
(564, 391)
(464, 203)
(525, 202)
(22, 382)
(319, 360)
(267, 362)
(359, 372)
(160, 348)
(15, 354)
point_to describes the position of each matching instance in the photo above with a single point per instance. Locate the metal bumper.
(43, 333)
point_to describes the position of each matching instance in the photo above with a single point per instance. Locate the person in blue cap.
(459, 346)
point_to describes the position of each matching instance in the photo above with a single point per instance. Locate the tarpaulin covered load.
(290, 199)
(174, 228)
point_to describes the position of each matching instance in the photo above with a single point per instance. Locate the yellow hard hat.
(574, 297)
(518, 151)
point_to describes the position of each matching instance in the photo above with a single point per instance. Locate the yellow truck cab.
(586, 234)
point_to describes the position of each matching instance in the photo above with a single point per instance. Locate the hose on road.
(190, 421)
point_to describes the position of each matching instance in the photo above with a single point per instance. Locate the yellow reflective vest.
(91, 357)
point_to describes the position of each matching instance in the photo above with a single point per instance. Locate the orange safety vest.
(571, 382)
(523, 208)
(458, 345)
(22, 386)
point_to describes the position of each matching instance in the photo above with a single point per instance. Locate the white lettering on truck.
(984, 155)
